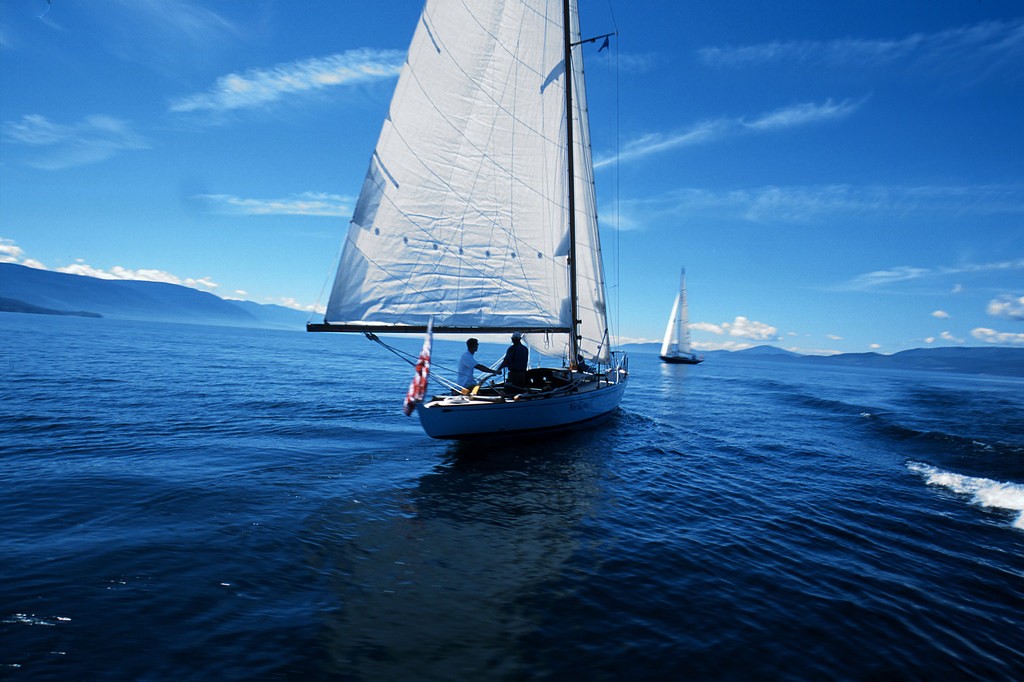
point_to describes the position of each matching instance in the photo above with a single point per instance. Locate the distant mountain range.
(971, 360)
(43, 292)
(29, 290)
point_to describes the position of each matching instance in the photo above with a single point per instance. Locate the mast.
(574, 337)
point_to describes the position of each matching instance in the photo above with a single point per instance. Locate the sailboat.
(478, 216)
(675, 348)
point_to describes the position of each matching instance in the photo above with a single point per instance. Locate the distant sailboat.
(478, 216)
(675, 348)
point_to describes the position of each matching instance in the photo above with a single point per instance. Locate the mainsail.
(463, 215)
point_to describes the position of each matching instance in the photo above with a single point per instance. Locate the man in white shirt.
(467, 363)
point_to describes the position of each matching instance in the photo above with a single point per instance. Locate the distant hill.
(768, 351)
(29, 290)
(9, 305)
(650, 348)
(763, 350)
(973, 360)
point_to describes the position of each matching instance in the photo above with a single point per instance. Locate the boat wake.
(983, 491)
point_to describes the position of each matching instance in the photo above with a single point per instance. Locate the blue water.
(186, 502)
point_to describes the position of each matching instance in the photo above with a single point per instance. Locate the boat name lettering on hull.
(581, 405)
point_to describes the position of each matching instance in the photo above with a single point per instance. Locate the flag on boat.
(418, 387)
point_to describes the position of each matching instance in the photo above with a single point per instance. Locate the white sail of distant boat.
(675, 347)
(468, 220)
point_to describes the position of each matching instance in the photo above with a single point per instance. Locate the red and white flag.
(418, 387)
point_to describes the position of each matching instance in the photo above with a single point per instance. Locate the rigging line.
(618, 179)
(413, 359)
(331, 273)
(408, 357)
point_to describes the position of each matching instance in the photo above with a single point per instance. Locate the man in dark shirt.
(517, 358)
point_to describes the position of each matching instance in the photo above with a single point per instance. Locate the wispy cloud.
(704, 132)
(804, 114)
(80, 267)
(882, 279)
(948, 336)
(802, 204)
(307, 203)
(741, 327)
(998, 338)
(289, 302)
(979, 47)
(722, 345)
(55, 146)
(10, 252)
(166, 35)
(193, 21)
(262, 87)
(751, 329)
(1010, 306)
(709, 327)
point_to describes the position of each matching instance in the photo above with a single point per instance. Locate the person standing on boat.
(517, 358)
(467, 363)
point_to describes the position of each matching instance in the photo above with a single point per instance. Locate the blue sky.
(834, 177)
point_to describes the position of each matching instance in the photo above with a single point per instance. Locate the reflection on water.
(440, 580)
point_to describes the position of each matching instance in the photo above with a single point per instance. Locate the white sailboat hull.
(466, 417)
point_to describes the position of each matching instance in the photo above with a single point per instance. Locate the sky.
(833, 176)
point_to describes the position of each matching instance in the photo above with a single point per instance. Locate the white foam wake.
(983, 491)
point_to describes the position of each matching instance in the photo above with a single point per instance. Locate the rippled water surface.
(202, 503)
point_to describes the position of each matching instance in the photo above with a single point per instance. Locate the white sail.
(670, 344)
(677, 333)
(463, 213)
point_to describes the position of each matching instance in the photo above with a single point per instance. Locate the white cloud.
(879, 278)
(795, 204)
(653, 143)
(260, 87)
(740, 326)
(145, 275)
(940, 314)
(177, 19)
(980, 48)
(948, 336)
(813, 351)
(1007, 305)
(998, 338)
(721, 345)
(833, 337)
(306, 203)
(57, 146)
(751, 329)
(805, 113)
(10, 252)
(289, 302)
(903, 273)
(874, 346)
(636, 339)
(707, 327)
